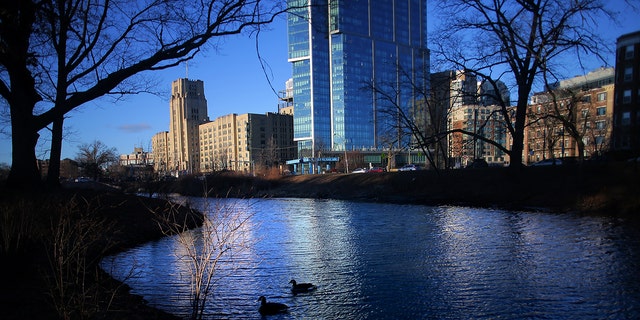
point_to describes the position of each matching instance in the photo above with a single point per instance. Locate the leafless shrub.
(75, 234)
(208, 249)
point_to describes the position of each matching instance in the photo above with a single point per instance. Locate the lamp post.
(346, 159)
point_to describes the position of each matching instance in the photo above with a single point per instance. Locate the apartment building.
(486, 122)
(626, 113)
(576, 116)
(472, 106)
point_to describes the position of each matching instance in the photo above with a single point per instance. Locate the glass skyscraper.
(353, 62)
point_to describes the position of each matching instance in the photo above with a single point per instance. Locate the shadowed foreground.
(121, 221)
(113, 222)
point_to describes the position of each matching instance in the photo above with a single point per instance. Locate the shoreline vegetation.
(114, 219)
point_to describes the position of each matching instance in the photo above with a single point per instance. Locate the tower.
(347, 55)
(188, 110)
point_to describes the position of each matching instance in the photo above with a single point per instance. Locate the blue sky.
(234, 82)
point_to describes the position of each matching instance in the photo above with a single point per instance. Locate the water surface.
(387, 261)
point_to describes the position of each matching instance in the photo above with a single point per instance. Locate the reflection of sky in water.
(404, 262)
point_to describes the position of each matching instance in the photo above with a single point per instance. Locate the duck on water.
(301, 287)
(267, 308)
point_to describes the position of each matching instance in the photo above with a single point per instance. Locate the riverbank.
(607, 189)
(610, 189)
(90, 225)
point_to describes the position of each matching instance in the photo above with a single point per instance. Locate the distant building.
(188, 110)
(626, 110)
(246, 142)
(577, 107)
(472, 106)
(286, 99)
(68, 168)
(490, 94)
(138, 157)
(160, 145)
(485, 121)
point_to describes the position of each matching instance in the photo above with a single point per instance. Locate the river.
(390, 261)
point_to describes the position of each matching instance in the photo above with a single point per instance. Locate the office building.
(626, 113)
(344, 55)
(247, 142)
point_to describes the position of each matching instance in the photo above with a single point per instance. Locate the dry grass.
(52, 244)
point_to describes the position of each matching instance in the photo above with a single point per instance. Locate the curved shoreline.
(609, 190)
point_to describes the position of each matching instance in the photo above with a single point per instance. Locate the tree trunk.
(23, 96)
(517, 147)
(53, 174)
(24, 174)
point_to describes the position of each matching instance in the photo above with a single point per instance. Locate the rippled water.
(384, 261)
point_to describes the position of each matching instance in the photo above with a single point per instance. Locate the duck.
(267, 308)
(301, 287)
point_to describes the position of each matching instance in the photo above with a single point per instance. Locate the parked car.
(377, 169)
(547, 162)
(409, 167)
(359, 170)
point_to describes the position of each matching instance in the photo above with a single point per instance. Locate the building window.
(601, 111)
(601, 124)
(626, 96)
(585, 113)
(628, 74)
(629, 52)
(602, 96)
(626, 118)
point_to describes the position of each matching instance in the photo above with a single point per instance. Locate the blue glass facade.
(339, 50)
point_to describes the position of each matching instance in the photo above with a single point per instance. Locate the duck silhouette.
(267, 308)
(301, 287)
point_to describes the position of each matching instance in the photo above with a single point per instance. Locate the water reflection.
(387, 261)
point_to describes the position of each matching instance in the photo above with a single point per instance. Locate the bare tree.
(520, 38)
(398, 111)
(58, 55)
(95, 156)
(206, 251)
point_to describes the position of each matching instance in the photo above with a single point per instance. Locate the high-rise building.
(346, 57)
(626, 110)
(188, 109)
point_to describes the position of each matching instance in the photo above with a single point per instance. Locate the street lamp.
(346, 160)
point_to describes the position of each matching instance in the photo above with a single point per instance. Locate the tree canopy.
(58, 55)
(521, 41)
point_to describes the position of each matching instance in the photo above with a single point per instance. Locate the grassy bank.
(610, 188)
(52, 244)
